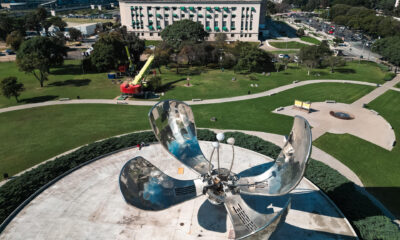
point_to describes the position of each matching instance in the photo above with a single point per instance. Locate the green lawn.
(378, 169)
(151, 42)
(287, 45)
(216, 84)
(87, 20)
(398, 85)
(68, 81)
(310, 40)
(37, 134)
(33, 135)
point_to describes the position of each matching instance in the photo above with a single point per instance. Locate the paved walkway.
(377, 92)
(207, 101)
(366, 124)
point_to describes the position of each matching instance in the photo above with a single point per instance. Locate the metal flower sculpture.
(144, 186)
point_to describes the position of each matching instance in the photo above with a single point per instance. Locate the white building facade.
(238, 19)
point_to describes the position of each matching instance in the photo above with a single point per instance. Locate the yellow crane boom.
(143, 71)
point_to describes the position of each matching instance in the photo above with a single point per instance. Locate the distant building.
(238, 19)
(396, 3)
(86, 29)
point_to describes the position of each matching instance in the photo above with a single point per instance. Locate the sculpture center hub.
(217, 185)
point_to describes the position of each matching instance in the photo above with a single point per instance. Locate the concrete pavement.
(377, 92)
(87, 204)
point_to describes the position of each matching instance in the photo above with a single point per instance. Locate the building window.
(207, 23)
(142, 34)
(151, 34)
(216, 15)
(166, 23)
(245, 35)
(251, 25)
(223, 23)
(158, 34)
(183, 15)
(241, 35)
(232, 35)
(216, 23)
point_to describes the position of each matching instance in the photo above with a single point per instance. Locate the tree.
(36, 20)
(9, 24)
(162, 55)
(253, 59)
(38, 54)
(11, 88)
(109, 51)
(309, 57)
(334, 61)
(183, 31)
(58, 22)
(389, 48)
(300, 32)
(154, 82)
(14, 40)
(74, 34)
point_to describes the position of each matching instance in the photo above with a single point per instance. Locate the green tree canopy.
(14, 40)
(253, 59)
(38, 54)
(109, 51)
(11, 88)
(74, 34)
(183, 31)
(389, 48)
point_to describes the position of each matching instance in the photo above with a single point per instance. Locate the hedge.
(389, 76)
(366, 218)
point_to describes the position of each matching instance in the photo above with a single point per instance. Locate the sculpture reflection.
(144, 186)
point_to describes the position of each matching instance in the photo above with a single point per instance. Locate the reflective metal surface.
(144, 186)
(173, 124)
(289, 167)
(247, 222)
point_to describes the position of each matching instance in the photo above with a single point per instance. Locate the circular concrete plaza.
(87, 204)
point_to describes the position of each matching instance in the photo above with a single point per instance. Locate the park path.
(377, 92)
(318, 132)
(193, 102)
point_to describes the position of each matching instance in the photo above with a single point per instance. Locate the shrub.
(389, 76)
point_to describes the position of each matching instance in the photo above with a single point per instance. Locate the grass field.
(398, 85)
(378, 169)
(287, 45)
(37, 134)
(310, 40)
(87, 20)
(209, 84)
(68, 81)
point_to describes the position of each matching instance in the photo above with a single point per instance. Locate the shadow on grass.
(39, 99)
(389, 196)
(76, 83)
(69, 69)
(345, 70)
(169, 86)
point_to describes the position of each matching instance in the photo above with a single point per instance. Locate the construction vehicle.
(135, 86)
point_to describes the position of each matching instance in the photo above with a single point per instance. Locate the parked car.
(281, 55)
(10, 51)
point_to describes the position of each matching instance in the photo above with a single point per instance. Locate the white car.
(281, 55)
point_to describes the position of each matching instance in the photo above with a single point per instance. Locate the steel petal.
(173, 124)
(146, 187)
(289, 167)
(250, 223)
